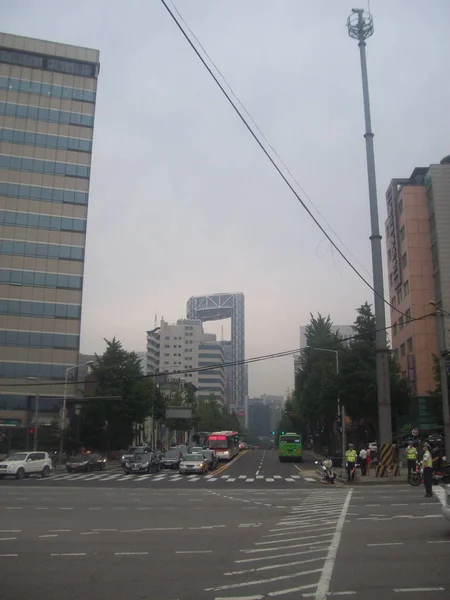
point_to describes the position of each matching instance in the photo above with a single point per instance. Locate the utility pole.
(444, 376)
(360, 27)
(36, 416)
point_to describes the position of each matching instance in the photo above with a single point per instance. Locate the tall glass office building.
(47, 105)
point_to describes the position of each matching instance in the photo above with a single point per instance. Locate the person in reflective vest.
(350, 459)
(411, 458)
(427, 464)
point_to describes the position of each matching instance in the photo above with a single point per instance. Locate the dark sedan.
(171, 459)
(86, 462)
(143, 463)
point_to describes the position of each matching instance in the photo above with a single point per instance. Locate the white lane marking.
(130, 553)
(212, 478)
(288, 532)
(242, 477)
(7, 539)
(68, 554)
(440, 493)
(291, 590)
(65, 508)
(283, 547)
(13, 507)
(309, 479)
(100, 530)
(400, 504)
(250, 525)
(323, 586)
(250, 480)
(231, 479)
(259, 558)
(296, 539)
(386, 544)
(259, 581)
(439, 542)
(257, 474)
(49, 535)
(277, 477)
(289, 479)
(426, 589)
(59, 530)
(41, 508)
(8, 555)
(89, 533)
(270, 479)
(207, 527)
(193, 552)
(242, 598)
(303, 526)
(279, 566)
(10, 530)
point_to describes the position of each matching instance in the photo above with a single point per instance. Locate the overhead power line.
(246, 361)
(266, 152)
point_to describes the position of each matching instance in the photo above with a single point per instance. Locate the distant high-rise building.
(182, 347)
(47, 106)
(418, 248)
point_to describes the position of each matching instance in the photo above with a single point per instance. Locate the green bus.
(290, 447)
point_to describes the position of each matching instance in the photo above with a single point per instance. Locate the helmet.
(351, 446)
(427, 446)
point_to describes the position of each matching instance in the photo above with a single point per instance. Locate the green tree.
(107, 425)
(358, 378)
(314, 405)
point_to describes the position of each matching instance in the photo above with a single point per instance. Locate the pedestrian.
(368, 460)
(427, 464)
(363, 461)
(411, 457)
(350, 458)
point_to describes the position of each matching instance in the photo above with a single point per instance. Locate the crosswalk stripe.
(120, 476)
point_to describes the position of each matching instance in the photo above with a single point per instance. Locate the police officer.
(411, 457)
(350, 458)
(427, 464)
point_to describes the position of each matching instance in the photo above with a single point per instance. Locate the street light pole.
(63, 410)
(444, 376)
(36, 417)
(360, 27)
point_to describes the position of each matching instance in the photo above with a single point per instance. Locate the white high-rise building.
(184, 347)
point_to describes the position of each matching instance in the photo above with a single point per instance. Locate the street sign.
(415, 432)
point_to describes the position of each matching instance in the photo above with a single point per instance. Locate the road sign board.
(415, 432)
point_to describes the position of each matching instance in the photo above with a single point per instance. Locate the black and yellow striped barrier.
(385, 459)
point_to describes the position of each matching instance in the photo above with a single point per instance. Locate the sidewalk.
(366, 480)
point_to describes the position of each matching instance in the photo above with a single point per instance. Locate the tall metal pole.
(360, 27)
(444, 378)
(62, 421)
(36, 417)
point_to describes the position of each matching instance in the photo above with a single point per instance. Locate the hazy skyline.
(183, 202)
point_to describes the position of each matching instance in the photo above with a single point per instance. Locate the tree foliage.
(211, 415)
(107, 425)
(318, 385)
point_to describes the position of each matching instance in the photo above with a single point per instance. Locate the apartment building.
(213, 380)
(47, 107)
(418, 249)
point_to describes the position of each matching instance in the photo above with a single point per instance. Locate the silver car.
(193, 463)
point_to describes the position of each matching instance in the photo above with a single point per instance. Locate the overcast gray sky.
(182, 200)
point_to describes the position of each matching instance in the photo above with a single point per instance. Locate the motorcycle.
(325, 471)
(416, 477)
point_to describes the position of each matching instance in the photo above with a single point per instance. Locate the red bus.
(225, 443)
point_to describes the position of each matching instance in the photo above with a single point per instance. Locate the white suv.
(22, 464)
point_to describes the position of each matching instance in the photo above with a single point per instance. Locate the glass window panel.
(5, 276)
(63, 281)
(23, 220)
(33, 220)
(10, 218)
(23, 338)
(10, 338)
(26, 308)
(44, 221)
(60, 311)
(27, 277)
(39, 279)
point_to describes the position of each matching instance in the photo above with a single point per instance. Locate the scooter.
(325, 471)
(416, 477)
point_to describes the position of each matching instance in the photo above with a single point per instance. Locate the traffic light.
(31, 431)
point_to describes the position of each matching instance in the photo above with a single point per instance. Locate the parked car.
(211, 458)
(134, 450)
(86, 462)
(147, 462)
(196, 450)
(193, 463)
(171, 459)
(23, 464)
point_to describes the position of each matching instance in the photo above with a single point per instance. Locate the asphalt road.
(76, 542)
(251, 469)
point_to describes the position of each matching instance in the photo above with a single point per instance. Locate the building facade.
(47, 107)
(213, 380)
(418, 249)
